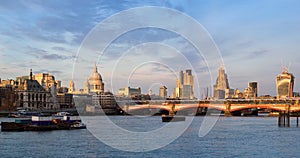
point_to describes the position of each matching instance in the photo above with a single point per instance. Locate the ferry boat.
(44, 123)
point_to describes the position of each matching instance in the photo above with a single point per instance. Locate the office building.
(184, 85)
(163, 92)
(221, 88)
(285, 84)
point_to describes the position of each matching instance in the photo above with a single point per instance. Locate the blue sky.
(255, 37)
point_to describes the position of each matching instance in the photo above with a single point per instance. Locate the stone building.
(31, 95)
(7, 98)
(94, 84)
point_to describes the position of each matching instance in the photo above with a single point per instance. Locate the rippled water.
(230, 137)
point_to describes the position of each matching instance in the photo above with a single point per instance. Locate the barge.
(44, 123)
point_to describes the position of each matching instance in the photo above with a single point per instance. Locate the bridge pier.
(297, 119)
(284, 117)
(227, 110)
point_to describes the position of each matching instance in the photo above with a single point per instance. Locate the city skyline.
(255, 38)
(94, 84)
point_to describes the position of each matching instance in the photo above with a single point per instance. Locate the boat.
(172, 118)
(78, 125)
(274, 114)
(44, 123)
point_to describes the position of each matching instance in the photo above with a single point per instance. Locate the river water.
(230, 137)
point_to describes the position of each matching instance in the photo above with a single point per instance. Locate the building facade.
(129, 91)
(184, 85)
(285, 84)
(94, 84)
(251, 91)
(163, 92)
(7, 98)
(106, 101)
(31, 95)
(222, 85)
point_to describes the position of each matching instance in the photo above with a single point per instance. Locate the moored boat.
(78, 125)
(172, 118)
(43, 123)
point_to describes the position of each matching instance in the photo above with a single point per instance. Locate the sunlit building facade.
(285, 84)
(94, 84)
(129, 91)
(184, 85)
(31, 95)
(251, 91)
(163, 92)
(221, 88)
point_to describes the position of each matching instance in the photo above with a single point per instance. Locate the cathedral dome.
(95, 76)
(95, 81)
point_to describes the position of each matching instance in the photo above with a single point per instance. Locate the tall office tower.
(251, 91)
(285, 84)
(254, 88)
(221, 85)
(163, 93)
(184, 85)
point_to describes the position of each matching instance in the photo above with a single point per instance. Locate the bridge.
(227, 106)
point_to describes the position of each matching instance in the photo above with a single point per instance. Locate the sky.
(255, 38)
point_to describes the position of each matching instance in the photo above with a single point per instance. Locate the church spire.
(95, 68)
(30, 74)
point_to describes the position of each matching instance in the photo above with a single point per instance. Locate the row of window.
(34, 97)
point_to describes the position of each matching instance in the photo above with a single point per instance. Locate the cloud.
(48, 71)
(58, 48)
(55, 57)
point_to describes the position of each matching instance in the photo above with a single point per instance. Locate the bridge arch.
(250, 106)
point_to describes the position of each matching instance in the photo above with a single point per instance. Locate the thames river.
(230, 137)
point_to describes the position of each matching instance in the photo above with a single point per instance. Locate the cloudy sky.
(255, 38)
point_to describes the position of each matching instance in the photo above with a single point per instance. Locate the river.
(230, 137)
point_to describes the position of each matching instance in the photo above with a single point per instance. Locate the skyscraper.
(163, 92)
(184, 85)
(254, 88)
(221, 85)
(250, 91)
(285, 84)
